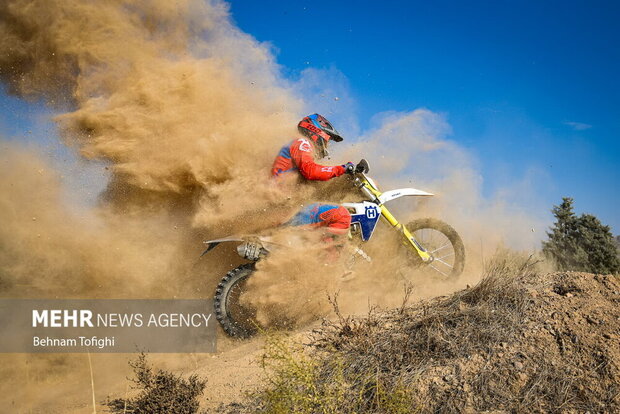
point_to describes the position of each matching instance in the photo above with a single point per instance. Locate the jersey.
(299, 156)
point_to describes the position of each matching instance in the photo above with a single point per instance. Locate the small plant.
(161, 392)
(302, 382)
(293, 380)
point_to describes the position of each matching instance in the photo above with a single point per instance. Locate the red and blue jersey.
(299, 156)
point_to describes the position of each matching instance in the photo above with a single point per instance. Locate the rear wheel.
(236, 320)
(443, 243)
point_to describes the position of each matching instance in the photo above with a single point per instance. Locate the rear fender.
(212, 244)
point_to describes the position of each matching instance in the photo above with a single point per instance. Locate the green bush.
(298, 382)
(580, 243)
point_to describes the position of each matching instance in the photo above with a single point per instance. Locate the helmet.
(316, 126)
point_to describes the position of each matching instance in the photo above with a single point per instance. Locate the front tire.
(443, 243)
(237, 321)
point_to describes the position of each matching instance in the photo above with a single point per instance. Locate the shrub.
(302, 383)
(161, 392)
(580, 243)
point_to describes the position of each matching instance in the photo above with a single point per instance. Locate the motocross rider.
(299, 156)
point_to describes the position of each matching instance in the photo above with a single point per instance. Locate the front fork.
(409, 241)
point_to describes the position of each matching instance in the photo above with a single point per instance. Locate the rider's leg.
(332, 217)
(305, 216)
(334, 221)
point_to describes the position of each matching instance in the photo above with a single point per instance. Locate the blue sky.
(530, 88)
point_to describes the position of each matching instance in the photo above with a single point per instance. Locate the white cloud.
(578, 126)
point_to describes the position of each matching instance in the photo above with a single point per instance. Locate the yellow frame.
(389, 217)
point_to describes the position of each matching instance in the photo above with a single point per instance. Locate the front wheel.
(443, 243)
(236, 320)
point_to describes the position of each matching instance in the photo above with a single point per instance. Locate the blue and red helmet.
(317, 126)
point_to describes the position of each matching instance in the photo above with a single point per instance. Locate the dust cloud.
(49, 250)
(187, 112)
(416, 145)
(291, 288)
(184, 110)
(182, 105)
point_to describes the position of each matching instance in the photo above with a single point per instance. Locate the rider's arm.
(302, 153)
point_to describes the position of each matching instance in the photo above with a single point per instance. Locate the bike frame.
(369, 189)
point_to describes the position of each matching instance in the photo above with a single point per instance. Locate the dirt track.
(230, 372)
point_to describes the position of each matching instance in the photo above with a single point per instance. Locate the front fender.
(392, 194)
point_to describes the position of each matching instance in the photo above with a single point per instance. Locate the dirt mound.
(526, 342)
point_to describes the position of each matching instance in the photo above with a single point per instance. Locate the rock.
(448, 378)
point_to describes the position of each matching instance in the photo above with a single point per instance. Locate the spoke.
(438, 270)
(443, 257)
(436, 250)
(441, 261)
(423, 236)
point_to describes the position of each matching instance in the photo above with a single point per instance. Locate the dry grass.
(160, 392)
(398, 346)
(507, 344)
(368, 364)
(300, 383)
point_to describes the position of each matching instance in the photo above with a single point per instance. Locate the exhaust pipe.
(251, 251)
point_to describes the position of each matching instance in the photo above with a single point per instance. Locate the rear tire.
(236, 320)
(443, 243)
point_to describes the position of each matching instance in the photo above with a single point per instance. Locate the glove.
(362, 166)
(349, 168)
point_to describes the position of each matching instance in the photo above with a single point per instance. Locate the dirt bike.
(431, 243)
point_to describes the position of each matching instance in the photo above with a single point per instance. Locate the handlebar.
(360, 167)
